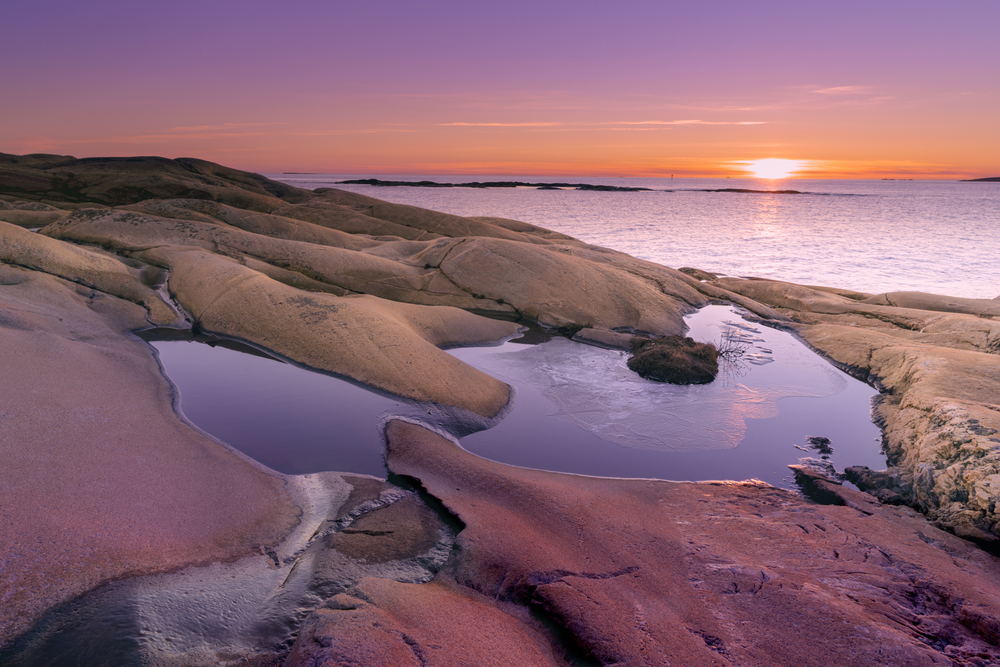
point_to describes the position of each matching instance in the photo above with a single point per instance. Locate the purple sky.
(850, 88)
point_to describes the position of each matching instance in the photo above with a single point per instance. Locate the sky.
(873, 89)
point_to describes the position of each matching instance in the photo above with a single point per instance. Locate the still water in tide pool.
(870, 236)
(578, 409)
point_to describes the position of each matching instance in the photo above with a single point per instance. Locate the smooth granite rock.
(102, 480)
(83, 266)
(391, 346)
(643, 572)
(100, 477)
(382, 622)
(939, 374)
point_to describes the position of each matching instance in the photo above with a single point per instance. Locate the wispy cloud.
(606, 125)
(845, 90)
(142, 138)
(223, 126)
(499, 124)
(690, 122)
(347, 133)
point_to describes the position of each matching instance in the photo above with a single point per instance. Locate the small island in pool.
(131, 537)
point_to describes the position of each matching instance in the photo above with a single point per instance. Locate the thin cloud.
(223, 126)
(844, 90)
(499, 124)
(346, 133)
(139, 138)
(613, 125)
(690, 122)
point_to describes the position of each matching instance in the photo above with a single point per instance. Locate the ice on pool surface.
(594, 389)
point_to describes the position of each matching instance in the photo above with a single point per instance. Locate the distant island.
(989, 179)
(766, 192)
(493, 184)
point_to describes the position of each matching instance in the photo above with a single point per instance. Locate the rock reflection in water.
(577, 409)
(581, 410)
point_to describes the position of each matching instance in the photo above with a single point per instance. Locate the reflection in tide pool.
(594, 389)
(578, 409)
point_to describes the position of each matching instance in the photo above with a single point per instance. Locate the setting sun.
(774, 168)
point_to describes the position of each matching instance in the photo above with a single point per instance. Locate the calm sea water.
(871, 236)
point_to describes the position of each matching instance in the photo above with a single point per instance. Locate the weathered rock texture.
(101, 480)
(382, 622)
(936, 361)
(643, 572)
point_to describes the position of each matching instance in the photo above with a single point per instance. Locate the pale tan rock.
(941, 416)
(612, 340)
(558, 285)
(31, 219)
(525, 228)
(814, 305)
(80, 265)
(948, 304)
(391, 346)
(698, 274)
(564, 286)
(350, 220)
(385, 270)
(426, 224)
(940, 374)
(264, 224)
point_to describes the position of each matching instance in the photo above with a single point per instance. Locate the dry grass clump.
(675, 359)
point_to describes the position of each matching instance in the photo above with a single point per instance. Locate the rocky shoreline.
(103, 481)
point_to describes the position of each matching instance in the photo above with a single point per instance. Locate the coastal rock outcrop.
(85, 267)
(100, 477)
(390, 346)
(102, 480)
(648, 572)
(382, 622)
(938, 368)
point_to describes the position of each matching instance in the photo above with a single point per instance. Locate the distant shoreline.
(493, 184)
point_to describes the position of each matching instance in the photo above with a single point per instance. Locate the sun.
(774, 168)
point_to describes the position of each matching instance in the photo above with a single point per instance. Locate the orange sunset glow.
(601, 93)
(774, 168)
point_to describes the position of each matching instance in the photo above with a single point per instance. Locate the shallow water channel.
(577, 409)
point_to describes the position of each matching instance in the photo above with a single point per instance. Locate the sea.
(873, 236)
